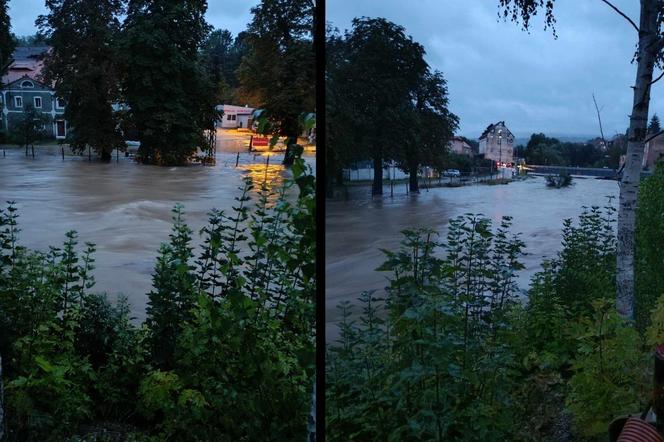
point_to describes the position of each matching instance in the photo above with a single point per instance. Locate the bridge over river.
(580, 171)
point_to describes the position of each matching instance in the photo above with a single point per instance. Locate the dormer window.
(27, 84)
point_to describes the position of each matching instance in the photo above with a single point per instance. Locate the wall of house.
(654, 151)
(497, 148)
(13, 113)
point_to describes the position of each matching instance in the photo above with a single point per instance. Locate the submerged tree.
(433, 127)
(375, 75)
(279, 68)
(29, 127)
(649, 53)
(83, 66)
(171, 98)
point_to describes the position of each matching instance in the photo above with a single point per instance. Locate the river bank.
(356, 229)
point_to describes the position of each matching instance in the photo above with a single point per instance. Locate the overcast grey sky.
(536, 83)
(231, 15)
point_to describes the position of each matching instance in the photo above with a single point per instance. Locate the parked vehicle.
(452, 173)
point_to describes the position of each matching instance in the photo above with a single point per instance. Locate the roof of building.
(26, 60)
(490, 127)
(29, 52)
(235, 109)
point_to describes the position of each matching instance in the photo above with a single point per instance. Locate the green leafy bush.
(449, 354)
(649, 245)
(612, 371)
(430, 362)
(227, 350)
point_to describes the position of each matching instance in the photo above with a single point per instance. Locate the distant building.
(598, 143)
(459, 146)
(497, 143)
(654, 152)
(22, 86)
(235, 116)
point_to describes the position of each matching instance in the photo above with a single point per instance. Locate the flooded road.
(124, 208)
(355, 230)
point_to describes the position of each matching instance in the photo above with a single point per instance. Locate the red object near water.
(637, 430)
(260, 141)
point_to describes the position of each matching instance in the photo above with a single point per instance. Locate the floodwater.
(124, 207)
(357, 229)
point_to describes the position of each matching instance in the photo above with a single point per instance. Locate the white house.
(497, 143)
(235, 116)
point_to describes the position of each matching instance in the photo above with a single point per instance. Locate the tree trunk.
(311, 425)
(106, 156)
(629, 184)
(412, 178)
(289, 156)
(377, 186)
(330, 174)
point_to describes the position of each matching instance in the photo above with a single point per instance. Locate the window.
(228, 117)
(38, 102)
(59, 103)
(18, 101)
(233, 117)
(27, 84)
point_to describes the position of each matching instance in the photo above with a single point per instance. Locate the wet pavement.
(357, 229)
(124, 207)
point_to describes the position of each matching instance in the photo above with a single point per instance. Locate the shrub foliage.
(226, 352)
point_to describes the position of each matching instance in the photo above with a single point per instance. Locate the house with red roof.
(22, 87)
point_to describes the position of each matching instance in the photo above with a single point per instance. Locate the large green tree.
(7, 42)
(170, 96)
(279, 68)
(432, 127)
(374, 73)
(83, 67)
(650, 37)
(222, 54)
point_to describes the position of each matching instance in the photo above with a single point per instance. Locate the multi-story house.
(497, 143)
(458, 145)
(22, 86)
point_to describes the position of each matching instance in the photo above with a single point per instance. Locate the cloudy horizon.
(532, 81)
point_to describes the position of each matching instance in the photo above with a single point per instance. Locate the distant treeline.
(551, 151)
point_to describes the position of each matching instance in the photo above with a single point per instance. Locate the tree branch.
(623, 14)
(653, 136)
(599, 118)
(657, 79)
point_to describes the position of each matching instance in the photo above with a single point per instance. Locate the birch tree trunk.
(649, 45)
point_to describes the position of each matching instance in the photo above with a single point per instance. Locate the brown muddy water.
(357, 229)
(124, 208)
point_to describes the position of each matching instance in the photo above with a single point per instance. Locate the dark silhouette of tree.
(83, 67)
(29, 127)
(7, 42)
(222, 54)
(374, 73)
(170, 96)
(279, 66)
(650, 35)
(432, 127)
(654, 126)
